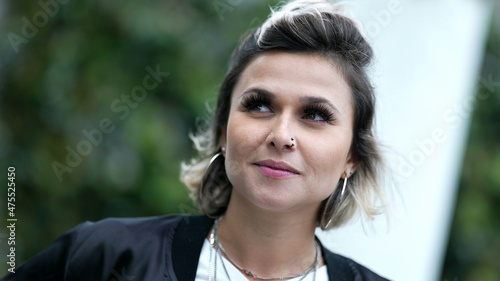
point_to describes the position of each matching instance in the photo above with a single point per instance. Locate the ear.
(351, 165)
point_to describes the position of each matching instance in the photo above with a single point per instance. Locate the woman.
(290, 149)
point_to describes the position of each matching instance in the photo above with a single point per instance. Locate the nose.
(281, 136)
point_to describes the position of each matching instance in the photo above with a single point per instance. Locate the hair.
(311, 27)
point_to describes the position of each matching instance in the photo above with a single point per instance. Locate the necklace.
(215, 244)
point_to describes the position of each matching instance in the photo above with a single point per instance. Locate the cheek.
(328, 158)
(242, 138)
(328, 166)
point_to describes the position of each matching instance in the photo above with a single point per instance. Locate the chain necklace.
(215, 244)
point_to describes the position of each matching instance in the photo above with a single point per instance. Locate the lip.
(276, 169)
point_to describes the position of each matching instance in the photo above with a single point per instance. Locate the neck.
(269, 244)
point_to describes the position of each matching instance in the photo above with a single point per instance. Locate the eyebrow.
(260, 91)
(303, 99)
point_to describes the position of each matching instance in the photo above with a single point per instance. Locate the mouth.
(275, 169)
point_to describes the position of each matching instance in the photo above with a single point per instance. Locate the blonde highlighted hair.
(302, 26)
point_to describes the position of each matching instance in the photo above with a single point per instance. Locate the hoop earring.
(204, 178)
(343, 188)
(330, 198)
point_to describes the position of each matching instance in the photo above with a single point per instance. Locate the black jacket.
(145, 249)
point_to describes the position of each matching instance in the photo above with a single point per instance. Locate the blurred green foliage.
(73, 68)
(88, 55)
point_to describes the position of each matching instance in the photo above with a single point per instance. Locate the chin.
(270, 197)
(276, 203)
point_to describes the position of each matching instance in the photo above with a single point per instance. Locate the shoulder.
(347, 269)
(116, 234)
(104, 250)
(122, 238)
(115, 229)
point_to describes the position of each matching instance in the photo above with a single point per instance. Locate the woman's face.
(278, 97)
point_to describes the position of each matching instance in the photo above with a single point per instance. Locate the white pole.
(428, 55)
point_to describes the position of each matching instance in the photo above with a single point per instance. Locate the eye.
(318, 113)
(261, 108)
(256, 103)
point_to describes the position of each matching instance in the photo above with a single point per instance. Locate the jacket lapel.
(337, 266)
(187, 243)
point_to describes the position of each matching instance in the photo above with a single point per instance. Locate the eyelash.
(321, 110)
(251, 103)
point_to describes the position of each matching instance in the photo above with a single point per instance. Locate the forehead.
(297, 75)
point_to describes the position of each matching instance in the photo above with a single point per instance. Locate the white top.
(202, 272)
